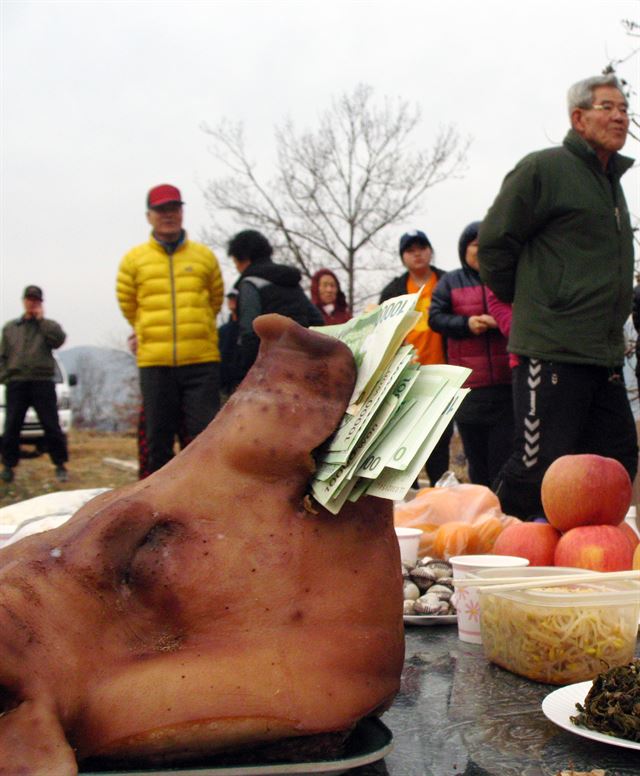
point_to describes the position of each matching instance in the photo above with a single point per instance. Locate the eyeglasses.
(610, 107)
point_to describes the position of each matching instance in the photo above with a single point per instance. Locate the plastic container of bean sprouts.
(562, 633)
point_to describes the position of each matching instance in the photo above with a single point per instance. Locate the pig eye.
(150, 553)
(158, 534)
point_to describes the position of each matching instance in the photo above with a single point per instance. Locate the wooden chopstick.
(517, 583)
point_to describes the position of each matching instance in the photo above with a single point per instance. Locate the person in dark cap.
(264, 287)
(460, 312)
(170, 290)
(416, 253)
(27, 368)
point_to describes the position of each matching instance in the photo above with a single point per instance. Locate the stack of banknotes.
(397, 412)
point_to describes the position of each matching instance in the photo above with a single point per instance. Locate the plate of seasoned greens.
(603, 710)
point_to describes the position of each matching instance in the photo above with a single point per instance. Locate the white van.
(32, 431)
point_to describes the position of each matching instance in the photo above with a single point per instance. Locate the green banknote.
(422, 392)
(437, 406)
(400, 388)
(329, 492)
(374, 339)
(349, 431)
(397, 412)
(394, 484)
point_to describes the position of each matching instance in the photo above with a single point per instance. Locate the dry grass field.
(87, 449)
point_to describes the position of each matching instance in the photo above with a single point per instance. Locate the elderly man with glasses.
(557, 243)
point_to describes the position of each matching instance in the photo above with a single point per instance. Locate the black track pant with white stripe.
(561, 409)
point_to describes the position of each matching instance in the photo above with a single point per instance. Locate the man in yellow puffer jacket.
(170, 290)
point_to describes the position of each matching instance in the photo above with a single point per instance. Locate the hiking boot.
(62, 475)
(7, 474)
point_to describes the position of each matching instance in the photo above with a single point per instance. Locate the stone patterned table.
(459, 715)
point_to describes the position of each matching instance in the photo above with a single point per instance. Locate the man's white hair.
(580, 95)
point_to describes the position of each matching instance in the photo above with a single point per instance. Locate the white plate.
(430, 619)
(560, 705)
(371, 740)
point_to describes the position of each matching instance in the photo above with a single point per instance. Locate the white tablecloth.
(41, 513)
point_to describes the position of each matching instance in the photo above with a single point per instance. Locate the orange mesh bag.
(488, 527)
(459, 503)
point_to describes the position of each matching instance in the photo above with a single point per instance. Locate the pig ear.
(286, 333)
(33, 736)
(289, 403)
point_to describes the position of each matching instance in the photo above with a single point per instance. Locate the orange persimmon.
(453, 538)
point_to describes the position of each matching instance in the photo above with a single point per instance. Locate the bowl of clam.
(428, 590)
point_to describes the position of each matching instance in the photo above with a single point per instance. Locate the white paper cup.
(409, 541)
(467, 601)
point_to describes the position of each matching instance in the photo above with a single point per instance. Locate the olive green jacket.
(25, 349)
(557, 242)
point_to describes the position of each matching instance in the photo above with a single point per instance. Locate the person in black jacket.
(228, 342)
(27, 367)
(263, 287)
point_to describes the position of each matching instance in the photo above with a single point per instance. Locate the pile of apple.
(585, 500)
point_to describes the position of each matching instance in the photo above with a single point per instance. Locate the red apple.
(535, 541)
(631, 535)
(585, 490)
(595, 547)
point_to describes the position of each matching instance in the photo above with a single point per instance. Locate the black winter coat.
(398, 286)
(265, 287)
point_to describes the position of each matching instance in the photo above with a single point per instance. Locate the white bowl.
(409, 541)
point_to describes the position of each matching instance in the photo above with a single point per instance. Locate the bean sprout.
(558, 645)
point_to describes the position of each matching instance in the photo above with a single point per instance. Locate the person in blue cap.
(416, 253)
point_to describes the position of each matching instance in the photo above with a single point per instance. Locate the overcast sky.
(102, 100)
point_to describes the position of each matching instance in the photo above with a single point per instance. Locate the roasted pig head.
(212, 606)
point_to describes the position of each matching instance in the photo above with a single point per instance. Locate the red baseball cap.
(163, 194)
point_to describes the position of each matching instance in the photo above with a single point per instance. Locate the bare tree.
(95, 401)
(633, 30)
(631, 335)
(335, 189)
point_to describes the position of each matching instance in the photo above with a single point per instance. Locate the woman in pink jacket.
(459, 311)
